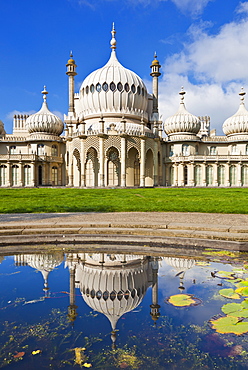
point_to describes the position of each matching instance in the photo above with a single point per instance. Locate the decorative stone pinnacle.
(113, 41)
(182, 93)
(242, 95)
(44, 92)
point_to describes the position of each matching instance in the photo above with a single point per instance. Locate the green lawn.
(124, 200)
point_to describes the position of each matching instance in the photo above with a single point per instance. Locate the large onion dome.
(238, 123)
(113, 286)
(182, 123)
(2, 131)
(44, 121)
(113, 91)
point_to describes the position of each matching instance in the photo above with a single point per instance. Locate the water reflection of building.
(181, 265)
(112, 284)
(45, 263)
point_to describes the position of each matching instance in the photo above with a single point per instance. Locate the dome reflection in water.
(111, 311)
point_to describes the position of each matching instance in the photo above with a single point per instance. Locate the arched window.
(40, 149)
(12, 149)
(246, 149)
(213, 150)
(3, 173)
(54, 150)
(196, 150)
(221, 175)
(185, 149)
(209, 175)
(171, 150)
(54, 175)
(15, 175)
(198, 175)
(234, 149)
(233, 175)
(27, 175)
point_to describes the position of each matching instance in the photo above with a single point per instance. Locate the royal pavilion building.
(112, 136)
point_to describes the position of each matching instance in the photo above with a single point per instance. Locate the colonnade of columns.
(207, 174)
(103, 161)
(29, 174)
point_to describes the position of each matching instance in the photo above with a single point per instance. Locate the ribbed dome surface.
(238, 123)
(113, 89)
(113, 290)
(44, 121)
(182, 122)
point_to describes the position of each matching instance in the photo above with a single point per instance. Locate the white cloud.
(10, 115)
(192, 7)
(242, 8)
(212, 69)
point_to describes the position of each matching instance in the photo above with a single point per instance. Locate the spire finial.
(182, 93)
(242, 95)
(44, 92)
(113, 41)
(71, 54)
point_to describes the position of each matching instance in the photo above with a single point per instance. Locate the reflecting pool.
(120, 311)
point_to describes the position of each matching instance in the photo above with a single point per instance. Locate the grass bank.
(207, 200)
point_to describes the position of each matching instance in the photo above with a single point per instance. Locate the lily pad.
(183, 300)
(225, 275)
(229, 293)
(242, 283)
(243, 291)
(235, 310)
(229, 324)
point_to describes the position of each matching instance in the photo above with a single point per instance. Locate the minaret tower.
(71, 72)
(155, 74)
(155, 306)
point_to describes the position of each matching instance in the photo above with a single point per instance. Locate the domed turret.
(237, 124)
(113, 91)
(44, 121)
(182, 124)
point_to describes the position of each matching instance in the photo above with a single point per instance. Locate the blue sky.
(201, 45)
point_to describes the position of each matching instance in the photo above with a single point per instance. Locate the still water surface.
(122, 311)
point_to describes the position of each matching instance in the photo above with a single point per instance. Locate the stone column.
(204, 175)
(9, 177)
(239, 174)
(215, 174)
(20, 177)
(176, 174)
(33, 182)
(123, 161)
(181, 175)
(142, 162)
(155, 161)
(101, 160)
(191, 174)
(82, 161)
(227, 173)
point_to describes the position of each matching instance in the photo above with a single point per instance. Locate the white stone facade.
(113, 137)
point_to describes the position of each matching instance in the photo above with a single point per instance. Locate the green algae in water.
(109, 311)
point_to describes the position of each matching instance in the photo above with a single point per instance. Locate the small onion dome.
(238, 123)
(155, 61)
(71, 60)
(182, 122)
(44, 121)
(2, 131)
(113, 89)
